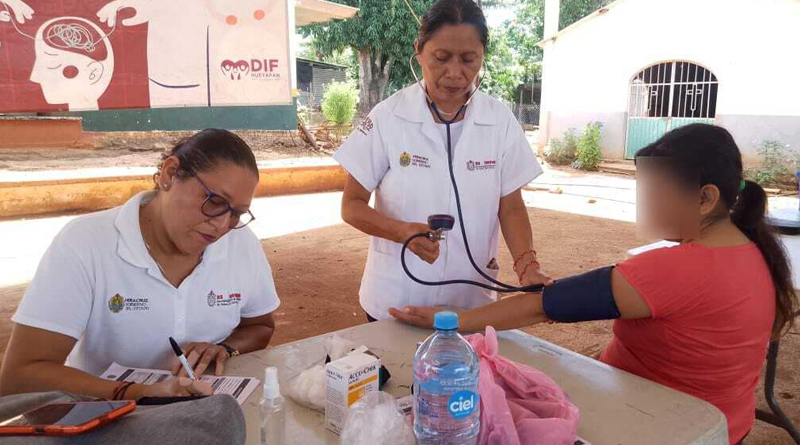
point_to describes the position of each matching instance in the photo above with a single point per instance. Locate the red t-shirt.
(712, 315)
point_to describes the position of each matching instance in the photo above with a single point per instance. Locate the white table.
(617, 408)
(792, 245)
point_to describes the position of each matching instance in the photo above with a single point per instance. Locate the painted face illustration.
(74, 62)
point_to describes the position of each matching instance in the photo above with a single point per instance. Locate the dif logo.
(462, 404)
(254, 68)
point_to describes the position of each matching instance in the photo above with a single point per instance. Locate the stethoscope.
(443, 222)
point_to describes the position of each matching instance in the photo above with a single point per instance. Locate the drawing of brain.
(74, 62)
(75, 36)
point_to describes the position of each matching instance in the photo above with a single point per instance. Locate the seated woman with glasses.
(178, 262)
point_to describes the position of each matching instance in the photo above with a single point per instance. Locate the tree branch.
(387, 69)
(366, 64)
(377, 59)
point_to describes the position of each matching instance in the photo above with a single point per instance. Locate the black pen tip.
(175, 347)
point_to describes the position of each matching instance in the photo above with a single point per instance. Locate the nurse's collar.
(413, 106)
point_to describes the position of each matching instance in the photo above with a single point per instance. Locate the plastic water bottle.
(273, 410)
(446, 398)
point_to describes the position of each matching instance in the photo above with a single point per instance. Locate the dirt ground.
(317, 275)
(143, 149)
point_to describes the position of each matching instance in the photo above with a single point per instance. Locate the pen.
(182, 358)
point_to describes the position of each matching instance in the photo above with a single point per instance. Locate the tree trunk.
(373, 77)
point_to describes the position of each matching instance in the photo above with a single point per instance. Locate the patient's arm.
(523, 310)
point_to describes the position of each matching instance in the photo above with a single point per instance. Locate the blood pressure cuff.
(584, 297)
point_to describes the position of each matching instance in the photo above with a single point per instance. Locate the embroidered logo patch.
(365, 126)
(116, 304)
(489, 164)
(405, 159)
(214, 299)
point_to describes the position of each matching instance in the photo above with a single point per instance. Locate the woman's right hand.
(425, 248)
(177, 387)
(416, 315)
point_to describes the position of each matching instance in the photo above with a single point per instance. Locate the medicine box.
(348, 379)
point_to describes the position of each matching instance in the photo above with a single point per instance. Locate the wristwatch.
(232, 352)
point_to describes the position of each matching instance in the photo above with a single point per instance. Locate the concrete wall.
(91, 194)
(277, 117)
(750, 45)
(42, 132)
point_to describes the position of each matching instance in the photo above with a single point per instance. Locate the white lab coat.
(98, 284)
(398, 152)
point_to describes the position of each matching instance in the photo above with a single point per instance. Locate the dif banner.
(81, 55)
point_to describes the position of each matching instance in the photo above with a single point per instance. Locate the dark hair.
(706, 154)
(452, 12)
(206, 150)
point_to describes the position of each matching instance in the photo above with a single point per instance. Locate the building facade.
(643, 67)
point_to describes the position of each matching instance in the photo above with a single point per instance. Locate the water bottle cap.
(272, 388)
(445, 321)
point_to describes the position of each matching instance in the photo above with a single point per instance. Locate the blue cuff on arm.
(584, 297)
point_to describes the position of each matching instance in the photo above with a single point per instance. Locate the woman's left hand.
(200, 356)
(416, 315)
(534, 275)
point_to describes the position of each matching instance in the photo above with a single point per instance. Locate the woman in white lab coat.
(400, 152)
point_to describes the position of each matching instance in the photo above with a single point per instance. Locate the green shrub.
(339, 103)
(563, 153)
(778, 165)
(588, 154)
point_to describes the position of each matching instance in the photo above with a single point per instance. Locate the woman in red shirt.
(696, 317)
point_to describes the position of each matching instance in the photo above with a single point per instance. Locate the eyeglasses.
(215, 206)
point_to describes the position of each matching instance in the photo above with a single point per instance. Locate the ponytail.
(749, 215)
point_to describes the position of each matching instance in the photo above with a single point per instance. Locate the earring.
(165, 187)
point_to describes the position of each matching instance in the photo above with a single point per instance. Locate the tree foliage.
(382, 37)
(523, 33)
(345, 57)
(503, 71)
(382, 34)
(574, 10)
(514, 57)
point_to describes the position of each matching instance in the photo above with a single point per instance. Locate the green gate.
(666, 96)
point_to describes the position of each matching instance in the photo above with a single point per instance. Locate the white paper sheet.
(238, 387)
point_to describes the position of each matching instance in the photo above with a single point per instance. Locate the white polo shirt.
(98, 284)
(399, 152)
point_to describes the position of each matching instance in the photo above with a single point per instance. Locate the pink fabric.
(520, 405)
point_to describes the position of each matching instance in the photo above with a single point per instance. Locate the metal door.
(666, 96)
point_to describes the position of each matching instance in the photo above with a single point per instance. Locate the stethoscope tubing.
(500, 286)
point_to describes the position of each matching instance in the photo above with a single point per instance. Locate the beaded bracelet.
(516, 262)
(529, 265)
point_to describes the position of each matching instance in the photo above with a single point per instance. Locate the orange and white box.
(348, 379)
